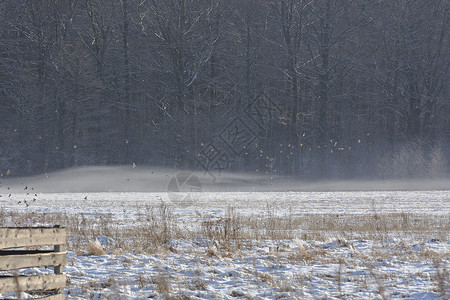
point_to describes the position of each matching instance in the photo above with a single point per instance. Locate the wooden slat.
(15, 262)
(51, 297)
(32, 283)
(28, 237)
(54, 297)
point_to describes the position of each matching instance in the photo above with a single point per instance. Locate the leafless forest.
(318, 88)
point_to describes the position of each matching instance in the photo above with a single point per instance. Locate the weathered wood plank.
(54, 297)
(15, 262)
(51, 297)
(32, 283)
(28, 237)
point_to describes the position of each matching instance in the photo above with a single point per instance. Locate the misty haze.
(214, 149)
(146, 179)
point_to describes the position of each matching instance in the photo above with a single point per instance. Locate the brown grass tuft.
(95, 248)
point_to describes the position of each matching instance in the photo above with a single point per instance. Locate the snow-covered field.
(253, 245)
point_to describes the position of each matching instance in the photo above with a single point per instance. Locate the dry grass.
(95, 248)
(162, 283)
(154, 230)
(229, 235)
(441, 278)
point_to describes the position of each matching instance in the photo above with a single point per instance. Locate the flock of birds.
(32, 193)
(25, 201)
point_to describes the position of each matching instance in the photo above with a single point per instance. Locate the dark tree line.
(322, 88)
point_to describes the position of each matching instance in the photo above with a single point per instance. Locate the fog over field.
(245, 235)
(147, 179)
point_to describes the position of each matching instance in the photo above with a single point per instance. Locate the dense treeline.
(309, 88)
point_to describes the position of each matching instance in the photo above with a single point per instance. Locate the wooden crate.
(14, 259)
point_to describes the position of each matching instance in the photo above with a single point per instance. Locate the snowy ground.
(399, 263)
(253, 245)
